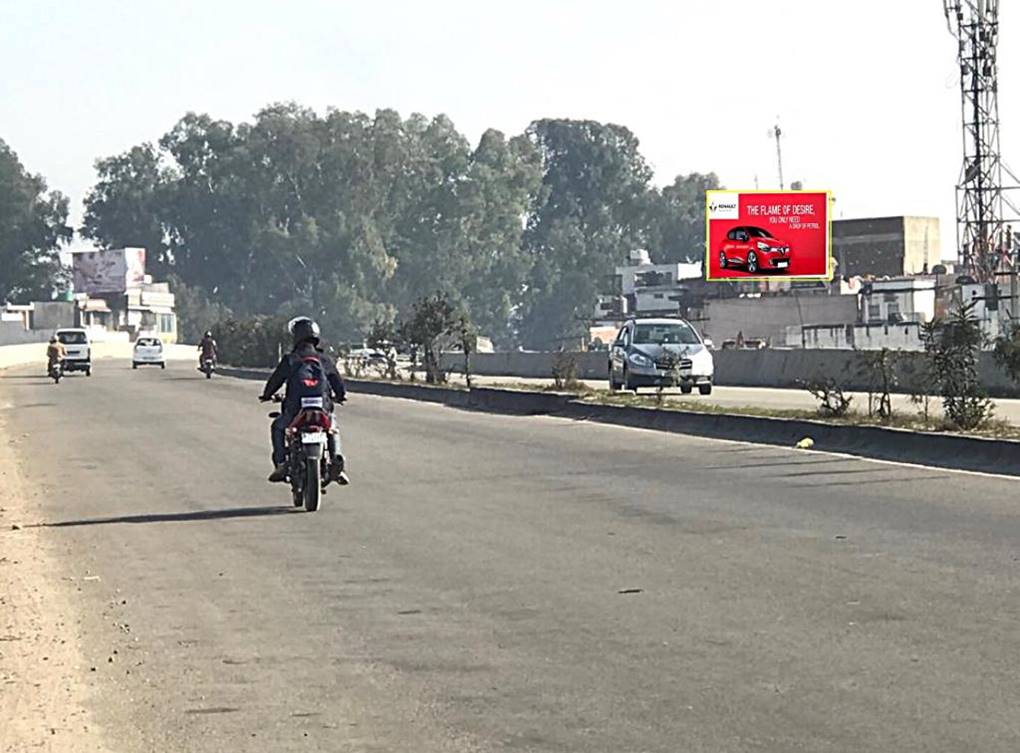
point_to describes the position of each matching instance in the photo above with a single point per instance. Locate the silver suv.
(666, 352)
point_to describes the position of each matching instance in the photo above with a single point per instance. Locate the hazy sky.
(866, 92)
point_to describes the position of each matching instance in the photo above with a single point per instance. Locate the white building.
(644, 289)
(898, 299)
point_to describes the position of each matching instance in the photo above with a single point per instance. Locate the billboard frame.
(772, 278)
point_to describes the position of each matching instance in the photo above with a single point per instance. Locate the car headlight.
(640, 359)
(762, 246)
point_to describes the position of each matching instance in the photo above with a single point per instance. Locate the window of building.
(874, 311)
(167, 323)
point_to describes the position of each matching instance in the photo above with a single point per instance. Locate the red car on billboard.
(754, 249)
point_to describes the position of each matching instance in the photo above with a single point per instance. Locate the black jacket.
(288, 367)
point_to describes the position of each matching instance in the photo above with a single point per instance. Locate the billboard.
(758, 235)
(110, 271)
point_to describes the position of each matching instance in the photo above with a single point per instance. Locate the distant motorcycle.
(56, 371)
(309, 451)
(207, 367)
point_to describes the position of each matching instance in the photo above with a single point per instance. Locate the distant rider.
(208, 348)
(55, 353)
(305, 354)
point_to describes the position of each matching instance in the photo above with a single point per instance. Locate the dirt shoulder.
(44, 691)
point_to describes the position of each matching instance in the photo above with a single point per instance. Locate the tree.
(585, 219)
(126, 206)
(33, 225)
(676, 219)
(197, 313)
(348, 217)
(433, 318)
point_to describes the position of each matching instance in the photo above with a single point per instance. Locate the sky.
(866, 92)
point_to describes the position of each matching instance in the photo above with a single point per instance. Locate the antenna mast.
(983, 201)
(774, 131)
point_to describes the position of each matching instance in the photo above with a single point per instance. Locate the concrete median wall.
(771, 367)
(787, 368)
(532, 365)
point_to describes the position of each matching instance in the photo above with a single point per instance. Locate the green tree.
(126, 206)
(432, 319)
(33, 225)
(586, 218)
(676, 219)
(197, 313)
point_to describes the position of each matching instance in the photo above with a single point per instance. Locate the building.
(768, 318)
(641, 288)
(114, 294)
(886, 246)
(857, 336)
(898, 299)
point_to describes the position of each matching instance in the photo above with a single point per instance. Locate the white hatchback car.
(148, 352)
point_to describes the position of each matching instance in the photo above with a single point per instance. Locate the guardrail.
(924, 448)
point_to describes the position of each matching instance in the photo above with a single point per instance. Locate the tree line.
(353, 218)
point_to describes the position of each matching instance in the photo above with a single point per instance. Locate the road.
(495, 583)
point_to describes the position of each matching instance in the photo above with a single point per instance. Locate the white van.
(79, 349)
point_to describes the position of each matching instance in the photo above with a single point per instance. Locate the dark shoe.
(336, 470)
(343, 479)
(279, 474)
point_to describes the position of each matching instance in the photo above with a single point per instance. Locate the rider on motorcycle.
(55, 353)
(305, 337)
(208, 348)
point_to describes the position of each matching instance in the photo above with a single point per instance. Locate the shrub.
(833, 402)
(256, 341)
(953, 347)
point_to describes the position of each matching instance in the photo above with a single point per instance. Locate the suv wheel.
(626, 382)
(613, 384)
(705, 389)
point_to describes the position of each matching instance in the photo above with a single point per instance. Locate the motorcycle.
(310, 453)
(207, 367)
(56, 371)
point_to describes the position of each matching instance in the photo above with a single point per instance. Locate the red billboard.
(757, 235)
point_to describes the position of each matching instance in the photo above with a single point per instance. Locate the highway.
(495, 583)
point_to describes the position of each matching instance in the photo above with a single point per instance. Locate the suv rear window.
(147, 342)
(72, 338)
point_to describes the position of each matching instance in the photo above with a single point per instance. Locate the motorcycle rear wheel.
(313, 488)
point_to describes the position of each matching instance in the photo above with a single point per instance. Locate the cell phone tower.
(984, 207)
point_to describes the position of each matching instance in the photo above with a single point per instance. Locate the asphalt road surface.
(493, 583)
